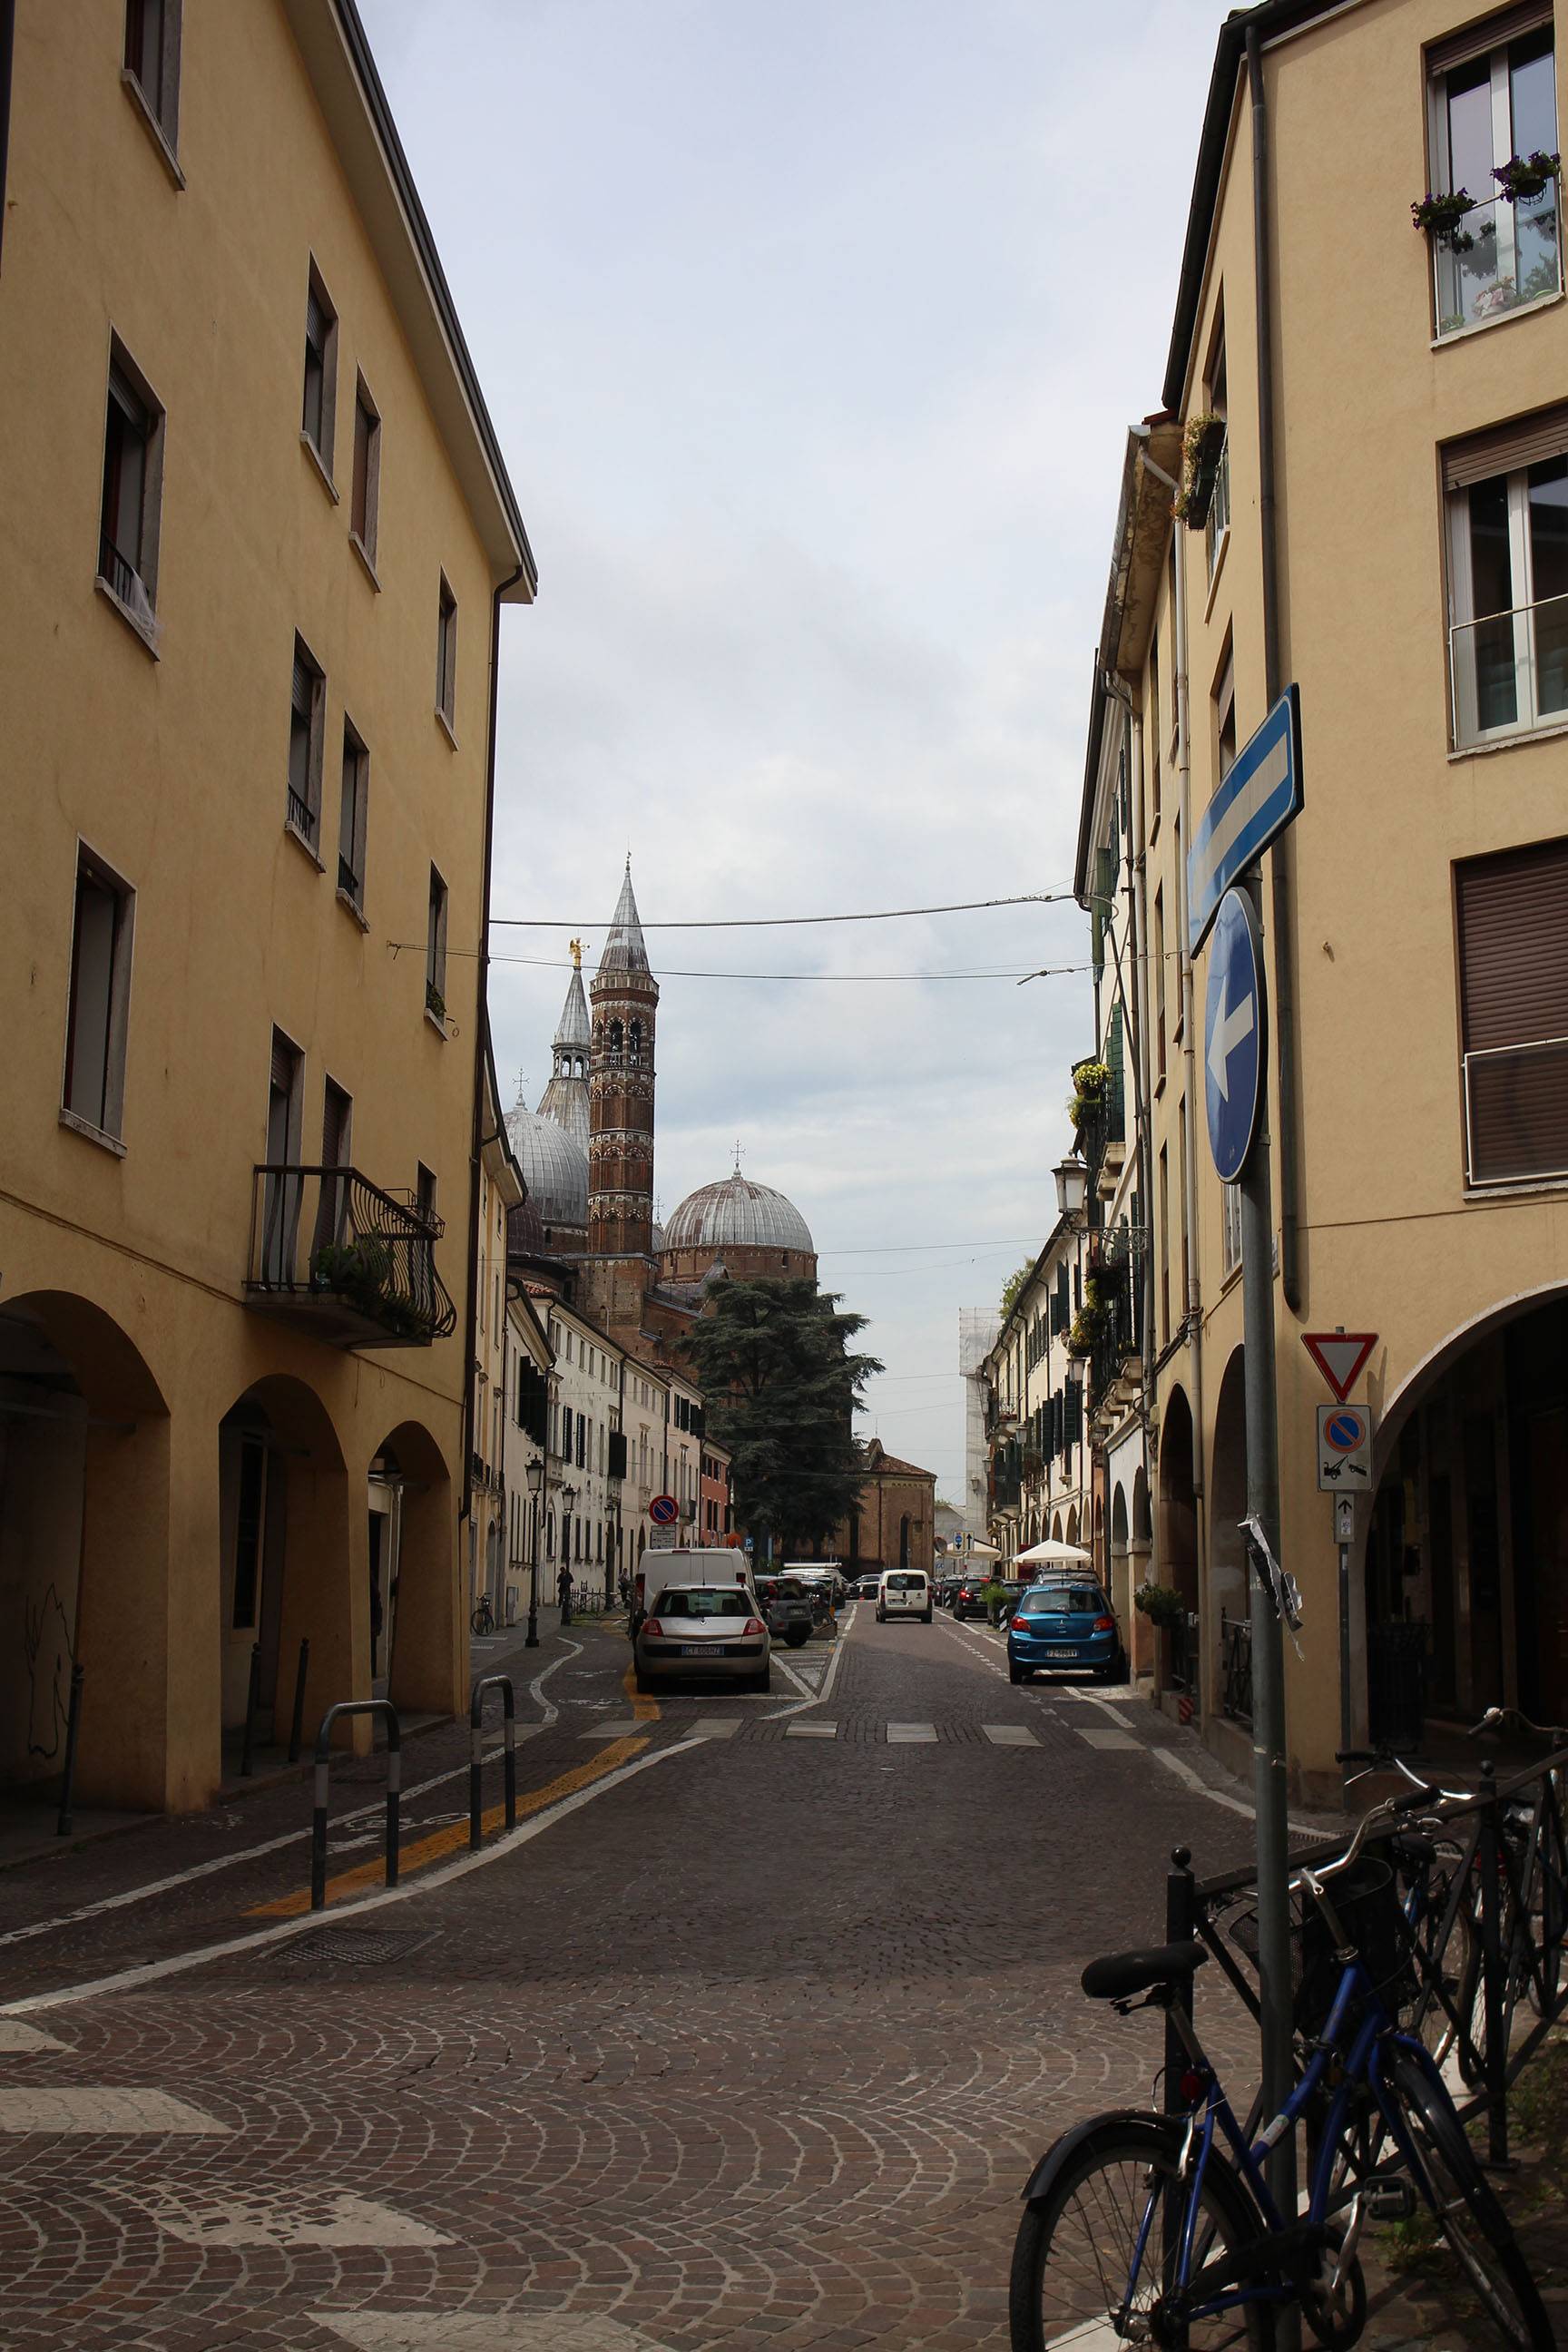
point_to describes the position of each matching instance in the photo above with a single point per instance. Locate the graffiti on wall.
(46, 1644)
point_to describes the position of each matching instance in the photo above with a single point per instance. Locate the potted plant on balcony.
(1090, 1084)
(1203, 446)
(361, 1273)
(1524, 176)
(1441, 216)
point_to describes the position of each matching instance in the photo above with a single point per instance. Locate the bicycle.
(1161, 2229)
(483, 1619)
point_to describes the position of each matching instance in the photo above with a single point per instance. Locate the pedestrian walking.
(563, 1594)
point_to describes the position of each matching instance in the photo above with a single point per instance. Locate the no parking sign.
(1345, 1449)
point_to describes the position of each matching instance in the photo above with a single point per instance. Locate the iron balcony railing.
(1236, 1668)
(1500, 255)
(330, 1248)
(1508, 670)
(301, 817)
(1515, 1112)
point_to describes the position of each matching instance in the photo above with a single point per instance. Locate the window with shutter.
(97, 1003)
(353, 817)
(436, 952)
(306, 698)
(319, 398)
(1508, 578)
(1513, 1002)
(1115, 1093)
(446, 655)
(364, 496)
(132, 489)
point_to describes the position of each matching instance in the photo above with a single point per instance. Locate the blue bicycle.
(1158, 2229)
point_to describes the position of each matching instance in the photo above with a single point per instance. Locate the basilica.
(587, 1229)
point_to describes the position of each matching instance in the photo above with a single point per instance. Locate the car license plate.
(702, 1649)
(1061, 1653)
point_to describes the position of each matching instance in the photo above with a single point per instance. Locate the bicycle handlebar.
(1497, 1718)
(1385, 1760)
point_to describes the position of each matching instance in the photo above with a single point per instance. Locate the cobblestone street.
(749, 2038)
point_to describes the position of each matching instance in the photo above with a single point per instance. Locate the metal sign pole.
(1268, 1638)
(1344, 1526)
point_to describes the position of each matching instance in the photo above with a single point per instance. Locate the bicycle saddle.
(1129, 1972)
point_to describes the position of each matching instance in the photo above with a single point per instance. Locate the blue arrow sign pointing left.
(1233, 1034)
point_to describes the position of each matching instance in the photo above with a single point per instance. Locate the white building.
(588, 1460)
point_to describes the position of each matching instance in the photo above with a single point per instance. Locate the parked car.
(903, 1593)
(704, 1629)
(786, 1605)
(1069, 1627)
(867, 1587)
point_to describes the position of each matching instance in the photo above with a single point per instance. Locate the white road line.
(810, 1731)
(799, 1706)
(910, 1735)
(340, 1823)
(1009, 1734)
(441, 1875)
(1200, 1788)
(83, 2107)
(790, 1675)
(337, 2218)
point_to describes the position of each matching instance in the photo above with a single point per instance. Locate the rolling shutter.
(1491, 33)
(1528, 441)
(1513, 998)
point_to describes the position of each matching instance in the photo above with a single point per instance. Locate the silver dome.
(738, 1214)
(555, 1167)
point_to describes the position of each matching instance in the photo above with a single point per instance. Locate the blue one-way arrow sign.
(1257, 799)
(1233, 1035)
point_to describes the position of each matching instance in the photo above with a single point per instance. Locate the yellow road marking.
(453, 1834)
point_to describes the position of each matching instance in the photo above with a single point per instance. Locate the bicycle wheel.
(1447, 2174)
(1073, 2280)
(481, 1621)
(1449, 1960)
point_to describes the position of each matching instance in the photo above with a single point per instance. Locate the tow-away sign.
(1339, 1356)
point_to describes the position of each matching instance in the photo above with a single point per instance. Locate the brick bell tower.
(624, 998)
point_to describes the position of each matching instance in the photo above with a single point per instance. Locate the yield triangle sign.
(1339, 1356)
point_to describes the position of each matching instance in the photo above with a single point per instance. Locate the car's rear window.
(906, 1584)
(1066, 1600)
(702, 1601)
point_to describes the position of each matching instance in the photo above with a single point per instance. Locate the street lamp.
(568, 1504)
(1073, 1186)
(534, 1475)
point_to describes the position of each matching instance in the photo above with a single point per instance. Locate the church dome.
(738, 1214)
(555, 1167)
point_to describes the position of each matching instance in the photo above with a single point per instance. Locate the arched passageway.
(1465, 1566)
(86, 1518)
(423, 1637)
(1179, 1537)
(284, 1554)
(1229, 1607)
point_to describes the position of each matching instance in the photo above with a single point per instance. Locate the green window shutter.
(1073, 1402)
(1115, 1093)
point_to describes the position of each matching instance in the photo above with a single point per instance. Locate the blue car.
(1069, 1627)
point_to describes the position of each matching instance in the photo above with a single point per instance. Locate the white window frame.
(117, 1006)
(1466, 730)
(1502, 149)
(1230, 1223)
(321, 449)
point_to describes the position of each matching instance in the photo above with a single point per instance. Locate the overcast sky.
(812, 329)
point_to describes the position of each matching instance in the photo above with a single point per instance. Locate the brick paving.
(755, 2047)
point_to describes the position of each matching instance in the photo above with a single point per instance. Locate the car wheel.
(643, 1684)
(926, 1619)
(1015, 1673)
(764, 1680)
(797, 1636)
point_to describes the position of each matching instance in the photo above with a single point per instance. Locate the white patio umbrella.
(983, 1551)
(1058, 1553)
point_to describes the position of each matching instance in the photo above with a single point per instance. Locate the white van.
(903, 1593)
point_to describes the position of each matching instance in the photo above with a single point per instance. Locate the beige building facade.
(1034, 1392)
(1373, 467)
(258, 564)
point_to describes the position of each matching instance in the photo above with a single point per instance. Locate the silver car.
(703, 1629)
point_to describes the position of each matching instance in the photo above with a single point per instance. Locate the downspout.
(1281, 895)
(1136, 1028)
(481, 1031)
(7, 51)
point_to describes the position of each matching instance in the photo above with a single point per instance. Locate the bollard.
(1495, 2070)
(1179, 1884)
(476, 1736)
(252, 1707)
(379, 1707)
(63, 1827)
(297, 1729)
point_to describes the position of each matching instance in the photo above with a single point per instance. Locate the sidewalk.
(1417, 2293)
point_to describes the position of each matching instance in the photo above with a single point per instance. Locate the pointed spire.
(573, 1034)
(624, 950)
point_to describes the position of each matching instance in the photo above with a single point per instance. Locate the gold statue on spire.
(577, 955)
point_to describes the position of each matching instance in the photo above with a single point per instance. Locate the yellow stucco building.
(258, 545)
(1366, 430)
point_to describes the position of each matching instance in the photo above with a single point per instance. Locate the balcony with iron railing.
(354, 1264)
(1508, 671)
(1499, 256)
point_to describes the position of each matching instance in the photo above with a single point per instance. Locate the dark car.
(787, 1608)
(966, 1595)
(1068, 1627)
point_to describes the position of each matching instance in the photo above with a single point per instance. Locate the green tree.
(775, 1363)
(1014, 1285)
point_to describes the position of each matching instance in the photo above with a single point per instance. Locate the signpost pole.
(1268, 1640)
(1344, 1521)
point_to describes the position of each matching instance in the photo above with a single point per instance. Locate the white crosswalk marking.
(475, 2331)
(92, 2108)
(1009, 1734)
(713, 1727)
(908, 1734)
(300, 2220)
(1109, 1737)
(16, 2035)
(810, 1731)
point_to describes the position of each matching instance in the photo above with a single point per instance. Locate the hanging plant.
(1201, 447)
(1523, 176)
(1161, 1603)
(1089, 1327)
(1092, 1081)
(1439, 217)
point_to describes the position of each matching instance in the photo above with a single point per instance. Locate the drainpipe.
(481, 1030)
(1281, 897)
(7, 51)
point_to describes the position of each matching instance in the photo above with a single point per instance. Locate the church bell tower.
(624, 998)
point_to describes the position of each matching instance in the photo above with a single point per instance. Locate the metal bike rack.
(476, 1735)
(384, 1708)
